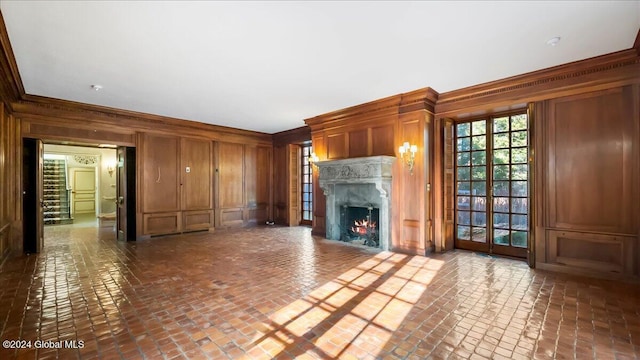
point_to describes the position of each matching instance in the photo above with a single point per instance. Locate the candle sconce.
(408, 155)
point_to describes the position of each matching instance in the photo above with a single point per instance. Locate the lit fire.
(364, 226)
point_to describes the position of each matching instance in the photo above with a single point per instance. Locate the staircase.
(56, 196)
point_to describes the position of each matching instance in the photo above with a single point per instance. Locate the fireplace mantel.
(376, 170)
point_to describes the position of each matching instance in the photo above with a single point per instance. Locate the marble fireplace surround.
(361, 182)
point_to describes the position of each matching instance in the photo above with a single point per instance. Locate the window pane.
(464, 188)
(479, 142)
(306, 187)
(305, 196)
(519, 138)
(501, 172)
(305, 178)
(464, 144)
(518, 188)
(305, 168)
(501, 204)
(463, 159)
(464, 233)
(501, 237)
(464, 218)
(519, 205)
(479, 219)
(519, 155)
(463, 202)
(519, 122)
(500, 141)
(519, 172)
(519, 238)
(479, 235)
(500, 188)
(479, 203)
(501, 124)
(305, 206)
(501, 156)
(501, 220)
(464, 173)
(463, 129)
(519, 222)
(479, 173)
(479, 127)
(479, 188)
(479, 157)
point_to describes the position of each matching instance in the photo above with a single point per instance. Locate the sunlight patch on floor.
(353, 315)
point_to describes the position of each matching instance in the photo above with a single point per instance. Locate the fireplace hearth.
(358, 183)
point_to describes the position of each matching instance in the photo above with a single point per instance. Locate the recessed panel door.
(84, 190)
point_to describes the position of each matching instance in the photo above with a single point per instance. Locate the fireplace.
(359, 183)
(359, 225)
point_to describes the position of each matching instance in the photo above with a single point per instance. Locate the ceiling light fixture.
(96, 87)
(553, 41)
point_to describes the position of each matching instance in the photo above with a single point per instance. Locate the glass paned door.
(307, 184)
(471, 174)
(510, 220)
(492, 198)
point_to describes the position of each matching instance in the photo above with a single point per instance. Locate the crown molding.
(612, 69)
(11, 88)
(293, 136)
(420, 99)
(39, 106)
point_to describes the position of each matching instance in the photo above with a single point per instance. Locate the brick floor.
(274, 292)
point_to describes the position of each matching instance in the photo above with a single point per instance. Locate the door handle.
(120, 200)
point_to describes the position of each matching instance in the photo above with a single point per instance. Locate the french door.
(307, 185)
(492, 185)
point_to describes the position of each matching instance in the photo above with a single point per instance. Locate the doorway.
(82, 176)
(492, 185)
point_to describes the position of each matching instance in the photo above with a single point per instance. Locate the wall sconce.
(111, 167)
(408, 154)
(313, 158)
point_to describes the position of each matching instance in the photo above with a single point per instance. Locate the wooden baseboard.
(587, 272)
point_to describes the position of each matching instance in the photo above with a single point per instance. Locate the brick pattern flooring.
(274, 292)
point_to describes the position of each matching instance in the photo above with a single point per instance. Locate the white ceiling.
(266, 66)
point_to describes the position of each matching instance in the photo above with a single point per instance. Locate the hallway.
(279, 292)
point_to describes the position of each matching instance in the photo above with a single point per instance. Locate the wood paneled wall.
(9, 196)
(379, 128)
(187, 200)
(244, 184)
(585, 161)
(176, 184)
(589, 147)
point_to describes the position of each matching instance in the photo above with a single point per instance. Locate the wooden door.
(125, 192)
(83, 190)
(294, 185)
(160, 173)
(160, 184)
(33, 201)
